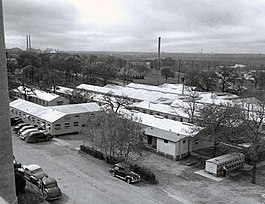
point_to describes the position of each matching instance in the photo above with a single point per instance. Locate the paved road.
(84, 179)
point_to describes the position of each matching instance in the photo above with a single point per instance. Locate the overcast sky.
(223, 26)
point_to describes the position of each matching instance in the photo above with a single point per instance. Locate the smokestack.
(27, 42)
(158, 58)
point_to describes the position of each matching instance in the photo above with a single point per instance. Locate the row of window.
(66, 125)
(167, 116)
(231, 162)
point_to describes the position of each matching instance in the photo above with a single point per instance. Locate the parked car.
(26, 128)
(19, 126)
(15, 120)
(34, 173)
(26, 132)
(50, 189)
(124, 171)
(38, 136)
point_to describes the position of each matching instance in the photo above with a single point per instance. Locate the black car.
(15, 120)
(38, 136)
(50, 189)
(124, 171)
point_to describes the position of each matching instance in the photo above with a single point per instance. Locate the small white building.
(58, 120)
(219, 166)
(169, 138)
(39, 96)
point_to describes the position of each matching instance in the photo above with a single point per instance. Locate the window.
(33, 119)
(92, 114)
(144, 111)
(59, 102)
(57, 126)
(165, 116)
(67, 125)
(151, 113)
(165, 141)
(184, 141)
(77, 116)
(181, 119)
(76, 124)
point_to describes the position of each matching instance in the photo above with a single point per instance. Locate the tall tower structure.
(7, 184)
(158, 60)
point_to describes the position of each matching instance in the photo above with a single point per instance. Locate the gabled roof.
(163, 134)
(182, 128)
(53, 113)
(77, 108)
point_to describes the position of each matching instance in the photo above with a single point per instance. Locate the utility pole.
(158, 60)
(7, 186)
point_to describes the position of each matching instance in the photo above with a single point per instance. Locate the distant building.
(57, 120)
(39, 97)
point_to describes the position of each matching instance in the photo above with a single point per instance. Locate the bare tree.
(190, 104)
(215, 119)
(113, 134)
(113, 103)
(252, 123)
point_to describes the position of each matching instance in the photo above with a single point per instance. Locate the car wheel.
(113, 174)
(128, 180)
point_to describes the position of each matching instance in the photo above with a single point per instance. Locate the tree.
(252, 126)
(167, 72)
(190, 104)
(215, 119)
(115, 135)
(113, 103)
(226, 78)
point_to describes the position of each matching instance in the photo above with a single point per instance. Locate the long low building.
(58, 120)
(39, 96)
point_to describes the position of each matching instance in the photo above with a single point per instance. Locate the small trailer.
(219, 166)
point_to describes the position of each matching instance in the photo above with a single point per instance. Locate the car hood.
(53, 192)
(40, 175)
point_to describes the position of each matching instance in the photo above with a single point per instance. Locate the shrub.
(92, 152)
(145, 174)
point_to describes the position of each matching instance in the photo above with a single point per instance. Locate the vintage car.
(38, 136)
(26, 132)
(15, 120)
(34, 173)
(26, 128)
(19, 126)
(124, 171)
(49, 188)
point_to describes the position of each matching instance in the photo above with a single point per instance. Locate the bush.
(92, 152)
(145, 174)
(113, 160)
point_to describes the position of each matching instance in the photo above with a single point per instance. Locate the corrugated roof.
(163, 134)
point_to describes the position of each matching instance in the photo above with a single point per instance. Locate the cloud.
(134, 25)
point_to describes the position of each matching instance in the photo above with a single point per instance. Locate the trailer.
(219, 166)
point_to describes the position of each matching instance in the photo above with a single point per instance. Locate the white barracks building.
(58, 120)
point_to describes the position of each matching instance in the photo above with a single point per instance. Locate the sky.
(210, 26)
